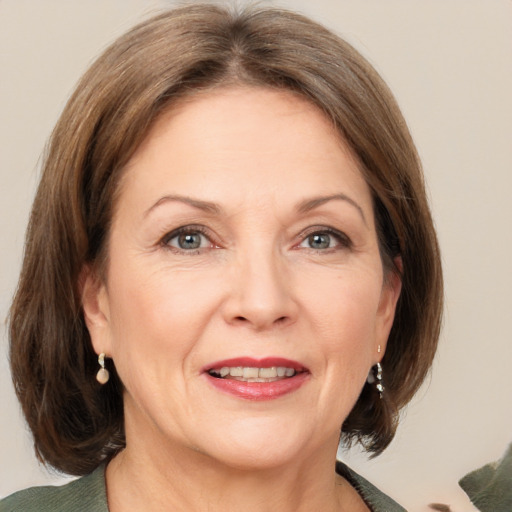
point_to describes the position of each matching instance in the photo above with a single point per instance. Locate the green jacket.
(490, 487)
(88, 494)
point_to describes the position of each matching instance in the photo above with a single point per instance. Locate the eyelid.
(342, 237)
(188, 228)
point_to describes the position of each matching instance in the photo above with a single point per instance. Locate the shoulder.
(85, 494)
(490, 487)
(373, 497)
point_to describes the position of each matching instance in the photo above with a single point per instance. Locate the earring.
(376, 375)
(102, 376)
(379, 385)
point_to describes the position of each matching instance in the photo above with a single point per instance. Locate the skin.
(257, 286)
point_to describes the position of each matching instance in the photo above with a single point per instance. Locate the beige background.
(449, 63)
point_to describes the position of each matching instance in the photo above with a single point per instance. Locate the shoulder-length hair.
(76, 423)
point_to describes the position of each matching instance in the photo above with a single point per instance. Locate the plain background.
(449, 62)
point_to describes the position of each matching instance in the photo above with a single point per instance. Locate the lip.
(258, 390)
(266, 362)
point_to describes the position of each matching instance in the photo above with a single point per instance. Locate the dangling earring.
(379, 385)
(376, 375)
(102, 376)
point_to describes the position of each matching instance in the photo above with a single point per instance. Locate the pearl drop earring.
(102, 376)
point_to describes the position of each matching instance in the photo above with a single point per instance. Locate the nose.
(261, 292)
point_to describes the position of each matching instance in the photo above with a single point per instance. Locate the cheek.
(154, 326)
(344, 302)
(344, 323)
(159, 313)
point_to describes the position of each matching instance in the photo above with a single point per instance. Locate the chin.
(259, 446)
(256, 459)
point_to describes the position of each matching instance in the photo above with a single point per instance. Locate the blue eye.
(187, 239)
(322, 240)
(319, 241)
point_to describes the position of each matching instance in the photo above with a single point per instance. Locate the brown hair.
(76, 423)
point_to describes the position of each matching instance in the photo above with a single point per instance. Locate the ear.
(96, 309)
(391, 289)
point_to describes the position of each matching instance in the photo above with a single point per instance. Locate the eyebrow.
(212, 208)
(310, 204)
(205, 206)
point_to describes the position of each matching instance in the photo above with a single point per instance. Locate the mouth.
(253, 374)
(253, 379)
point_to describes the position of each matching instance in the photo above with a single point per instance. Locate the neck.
(182, 479)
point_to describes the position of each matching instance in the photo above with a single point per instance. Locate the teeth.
(253, 374)
(238, 371)
(268, 373)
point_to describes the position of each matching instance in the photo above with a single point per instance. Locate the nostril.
(277, 321)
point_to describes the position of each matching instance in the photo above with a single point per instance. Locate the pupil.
(319, 241)
(190, 241)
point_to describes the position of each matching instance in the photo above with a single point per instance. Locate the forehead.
(244, 141)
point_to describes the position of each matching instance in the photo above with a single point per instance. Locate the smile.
(253, 374)
(252, 379)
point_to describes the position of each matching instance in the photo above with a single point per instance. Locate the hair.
(76, 423)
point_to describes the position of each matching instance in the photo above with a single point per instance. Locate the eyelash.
(342, 239)
(186, 230)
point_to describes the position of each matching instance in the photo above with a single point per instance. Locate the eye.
(187, 239)
(325, 239)
(319, 241)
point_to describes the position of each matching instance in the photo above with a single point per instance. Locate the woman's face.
(243, 247)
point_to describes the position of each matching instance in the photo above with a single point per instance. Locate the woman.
(230, 263)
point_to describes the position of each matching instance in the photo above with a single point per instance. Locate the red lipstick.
(256, 379)
(251, 362)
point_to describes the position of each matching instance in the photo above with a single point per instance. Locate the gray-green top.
(490, 487)
(88, 494)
